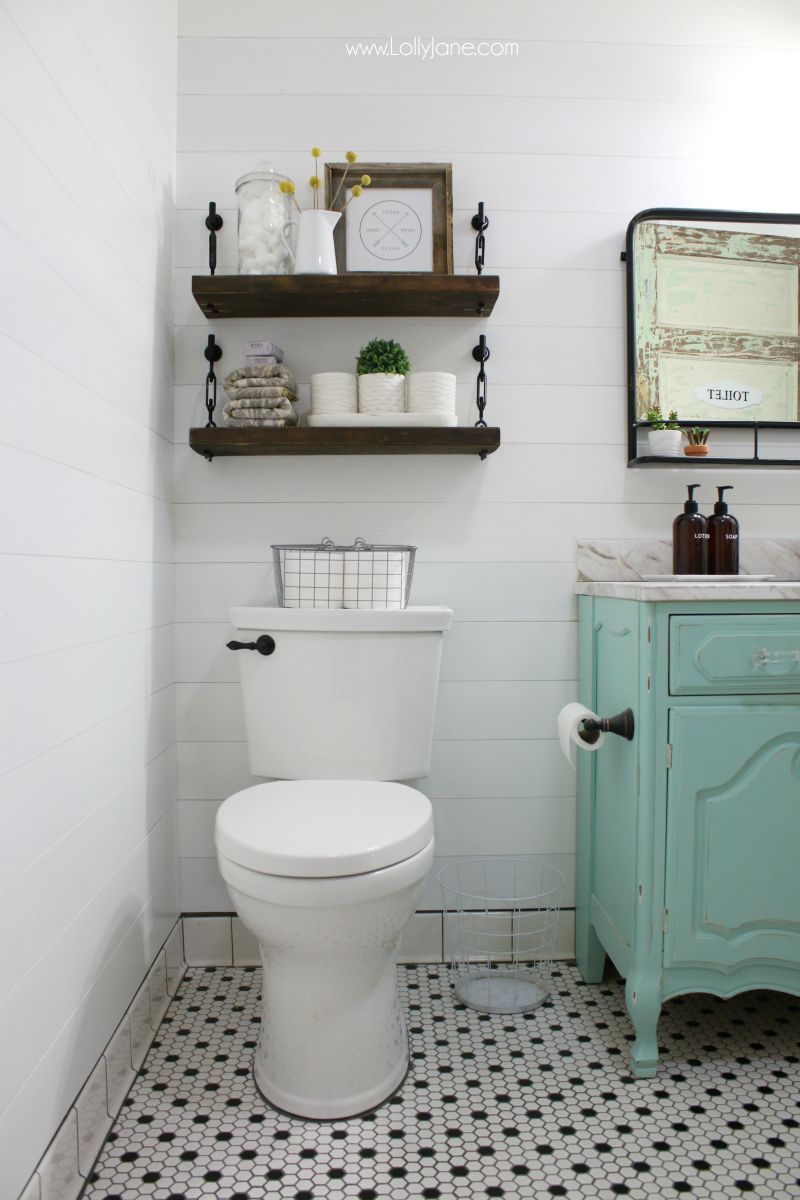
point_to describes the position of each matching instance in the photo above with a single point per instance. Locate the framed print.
(402, 222)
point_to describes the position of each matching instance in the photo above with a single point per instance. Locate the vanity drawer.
(740, 654)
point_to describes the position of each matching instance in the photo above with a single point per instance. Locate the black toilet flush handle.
(264, 645)
(621, 724)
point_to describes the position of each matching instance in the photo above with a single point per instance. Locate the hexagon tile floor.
(534, 1106)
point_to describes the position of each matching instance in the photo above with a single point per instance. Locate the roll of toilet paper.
(569, 721)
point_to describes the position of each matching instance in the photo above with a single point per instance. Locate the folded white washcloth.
(268, 405)
(276, 372)
(262, 423)
(270, 392)
(261, 414)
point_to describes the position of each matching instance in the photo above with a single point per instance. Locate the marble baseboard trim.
(68, 1161)
(627, 561)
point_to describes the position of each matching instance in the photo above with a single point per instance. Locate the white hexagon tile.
(529, 1107)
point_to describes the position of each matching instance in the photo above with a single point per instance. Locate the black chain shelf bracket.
(214, 223)
(212, 354)
(481, 353)
(480, 222)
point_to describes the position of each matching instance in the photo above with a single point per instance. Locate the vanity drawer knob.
(775, 658)
(264, 644)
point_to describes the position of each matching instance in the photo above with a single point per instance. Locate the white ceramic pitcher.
(316, 254)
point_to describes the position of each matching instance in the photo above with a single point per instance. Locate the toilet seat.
(321, 828)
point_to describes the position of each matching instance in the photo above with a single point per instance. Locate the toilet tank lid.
(347, 620)
(318, 828)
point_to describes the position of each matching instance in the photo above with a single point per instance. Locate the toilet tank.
(346, 693)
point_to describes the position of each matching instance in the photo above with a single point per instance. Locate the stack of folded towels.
(262, 394)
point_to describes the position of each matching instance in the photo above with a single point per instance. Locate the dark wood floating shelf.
(383, 440)
(369, 294)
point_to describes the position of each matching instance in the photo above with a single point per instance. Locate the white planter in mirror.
(666, 443)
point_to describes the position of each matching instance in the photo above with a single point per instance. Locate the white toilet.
(325, 869)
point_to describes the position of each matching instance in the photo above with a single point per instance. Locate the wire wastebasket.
(502, 919)
(329, 576)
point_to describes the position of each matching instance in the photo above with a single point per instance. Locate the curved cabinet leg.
(590, 953)
(643, 1001)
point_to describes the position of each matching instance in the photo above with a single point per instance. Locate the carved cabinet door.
(733, 836)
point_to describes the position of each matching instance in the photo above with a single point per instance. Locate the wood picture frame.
(386, 177)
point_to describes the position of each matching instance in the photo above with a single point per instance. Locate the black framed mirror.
(713, 321)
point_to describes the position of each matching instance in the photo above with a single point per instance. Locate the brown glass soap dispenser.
(690, 538)
(723, 538)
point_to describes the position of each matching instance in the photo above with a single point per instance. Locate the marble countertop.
(626, 589)
(615, 569)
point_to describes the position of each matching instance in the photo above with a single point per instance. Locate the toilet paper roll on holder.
(621, 724)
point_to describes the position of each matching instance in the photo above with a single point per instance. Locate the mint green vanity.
(688, 873)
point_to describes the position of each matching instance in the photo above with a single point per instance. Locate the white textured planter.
(666, 443)
(381, 393)
(334, 392)
(431, 391)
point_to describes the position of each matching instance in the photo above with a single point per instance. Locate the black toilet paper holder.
(621, 724)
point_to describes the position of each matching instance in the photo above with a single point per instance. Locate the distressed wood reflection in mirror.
(713, 323)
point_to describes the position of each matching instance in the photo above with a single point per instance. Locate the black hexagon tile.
(532, 1107)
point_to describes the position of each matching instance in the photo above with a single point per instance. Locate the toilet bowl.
(325, 865)
(325, 874)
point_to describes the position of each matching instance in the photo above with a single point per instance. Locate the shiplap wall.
(611, 106)
(87, 794)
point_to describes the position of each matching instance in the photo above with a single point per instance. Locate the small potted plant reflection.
(664, 434)
(697, 442)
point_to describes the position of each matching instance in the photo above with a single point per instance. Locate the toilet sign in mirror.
(713, 321)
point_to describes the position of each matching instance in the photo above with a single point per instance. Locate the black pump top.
(720, 506)
(691, 505)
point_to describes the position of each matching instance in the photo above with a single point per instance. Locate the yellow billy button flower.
(314, 181)
(351, 156)
(315, 152)
(356, 190)
(286, 186)
(366, 180)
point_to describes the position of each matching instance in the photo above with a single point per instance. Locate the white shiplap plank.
(213, 770)
(553, 125)
(71, 512)
(715, 23)
(65, 1029)
(113, 674)
(518, 825)
(203, 890)
(508, 592)
(101, 843)
(597, 181)
(473, 650)
(487, 769)
(550, 413)
(138, 596)
(570, 68)
(49, 795)
(465, 710)
(531, 354)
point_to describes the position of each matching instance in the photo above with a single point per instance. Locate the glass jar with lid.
(263, 211)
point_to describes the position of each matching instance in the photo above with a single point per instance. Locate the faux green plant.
(381, 356)
(656, 419)
(696, 436)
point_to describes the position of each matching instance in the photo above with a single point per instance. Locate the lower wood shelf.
(225, 441)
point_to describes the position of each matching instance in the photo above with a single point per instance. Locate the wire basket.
(502, 920)
(331, 576)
